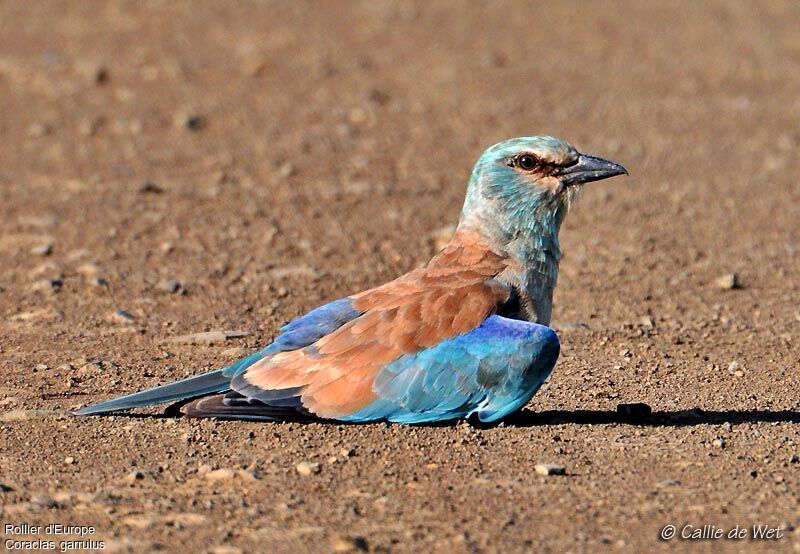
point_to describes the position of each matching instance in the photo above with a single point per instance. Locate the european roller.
(464, 336)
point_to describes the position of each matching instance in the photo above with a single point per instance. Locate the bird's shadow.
(530, 418)
(676, 418)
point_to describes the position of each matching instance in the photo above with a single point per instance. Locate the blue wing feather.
(311, 327)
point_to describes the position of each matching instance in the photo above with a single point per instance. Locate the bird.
(465, 336)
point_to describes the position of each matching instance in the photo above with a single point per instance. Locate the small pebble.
(48, 269)
(43, 249)
(41, 221)
(718, 443)
(647, 321)
(90, 369)
(44, 314)
(350, 544)
(122, 316)
(207, 337)
(549, 469)
(296, 271)
(134, 476)
(226, 474)
(308, 468)
(735, 369)
(88, 269)
(357, 116)
(222, 474)
(226, 549)
(729, 281)
(236, 352)
(69, 460)
(150, 187)
(170, 285)
(255, 67)
(100, 75)
(39, 130)
(96, 281)
(43, 500)
(41, 367)
(635, 409)
(89, 127)
(48, 285)
(97, 73)
(286, 170)
(190, 120)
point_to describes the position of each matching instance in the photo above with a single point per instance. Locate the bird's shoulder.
(466, 268)
(450, 295)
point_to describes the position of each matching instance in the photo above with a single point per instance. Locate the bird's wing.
(335, 376)
(491, 371)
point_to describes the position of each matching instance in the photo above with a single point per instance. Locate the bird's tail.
(192, 387)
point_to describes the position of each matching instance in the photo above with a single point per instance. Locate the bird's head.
(528, 183)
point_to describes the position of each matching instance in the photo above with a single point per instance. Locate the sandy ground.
(172, 167)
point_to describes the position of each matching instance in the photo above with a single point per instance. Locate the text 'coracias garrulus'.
(464, 335)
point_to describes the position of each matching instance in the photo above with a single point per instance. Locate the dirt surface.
(170, 168)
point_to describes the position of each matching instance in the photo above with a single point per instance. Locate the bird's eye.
(526, 162)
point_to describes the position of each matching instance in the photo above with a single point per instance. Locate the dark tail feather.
(234, 406)
(192, 387)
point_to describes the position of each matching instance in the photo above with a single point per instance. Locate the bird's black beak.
(588, 168)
